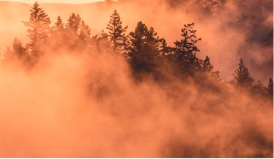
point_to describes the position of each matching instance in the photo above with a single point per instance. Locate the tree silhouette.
(59, 25)
(164, 48)
(73, 24)
(117, 33)
(207, 66)
(38, 30)
(58, 38)
(185, 50)
(84, 37)
(207, 69)
(242, 77)
(259, 88)
(72, 30)
(144, 49)
(19, 51)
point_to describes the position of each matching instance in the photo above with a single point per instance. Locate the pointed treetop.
(242, 76)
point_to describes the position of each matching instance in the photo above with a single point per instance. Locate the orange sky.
(54, 1)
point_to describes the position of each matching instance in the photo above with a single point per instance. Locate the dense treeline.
(148, 55)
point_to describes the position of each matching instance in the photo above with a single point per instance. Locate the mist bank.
(144, 87)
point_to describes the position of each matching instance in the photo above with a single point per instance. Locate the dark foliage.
(147, 54)
(242, 77)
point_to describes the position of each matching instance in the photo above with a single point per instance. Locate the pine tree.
(73, 24)
(117, 33)
(242, 77)
(207, 66)
(207, 69)
(164, 48)
(72, 31)
(38, 30)
(185, 50)
(59, 25)
(84, 36)
(58, 38)
(259, 88)
(19, 51)
(144, 49)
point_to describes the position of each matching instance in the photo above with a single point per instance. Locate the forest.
(69, 92)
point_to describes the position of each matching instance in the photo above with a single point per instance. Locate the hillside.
(176, 80)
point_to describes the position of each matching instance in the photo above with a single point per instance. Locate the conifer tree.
(187, 45)
(185, 50)
(38, 30)
(19, 51)
(144, 49)
(72, 30)
(259, 88)
(242, 77)
(207, 70)
(117, 33)
(84, 36)
(73, 24)
(164, 48)
(58, 38)
(59, 25)
(207, 66)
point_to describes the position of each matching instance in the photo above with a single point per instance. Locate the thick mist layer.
(90, 104)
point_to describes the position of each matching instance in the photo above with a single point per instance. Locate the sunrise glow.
(136, 78)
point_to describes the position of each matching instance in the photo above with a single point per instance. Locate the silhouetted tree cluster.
(147, 53)
(38, 30)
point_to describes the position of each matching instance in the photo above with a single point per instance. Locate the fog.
(90, 105)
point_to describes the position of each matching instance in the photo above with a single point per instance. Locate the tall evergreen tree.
(207, 66)
(144, 49)
(117, 33)
(84, 36)
(73, 24)
(19, 51)
(59, 25)
(259, 88)
(164, 48)
(207, 69)
(242, 77)
(185, 50)
(38, 30)
(58, 38)
(72, 30)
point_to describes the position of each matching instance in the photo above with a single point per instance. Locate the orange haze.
(77, 105)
